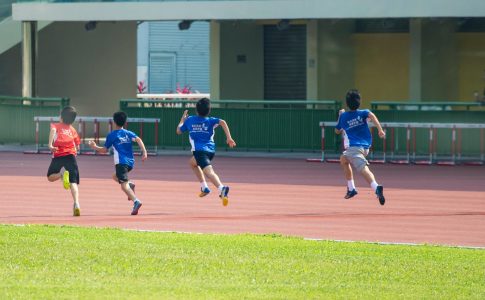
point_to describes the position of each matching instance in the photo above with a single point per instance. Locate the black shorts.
(122, 172)
(203, 158)
(69, 163)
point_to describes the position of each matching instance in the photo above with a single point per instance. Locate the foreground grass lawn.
(39, 262)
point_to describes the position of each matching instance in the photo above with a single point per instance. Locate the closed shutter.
(161, 77)
(191, 48)
(285, 63)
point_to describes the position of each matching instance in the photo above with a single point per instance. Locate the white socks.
(374, 185)
(351, 185)
(204, 185)
(220, 188)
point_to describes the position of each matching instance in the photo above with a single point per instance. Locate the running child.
(354, 124)
(201, 137)
(63, 143)
(121, 140)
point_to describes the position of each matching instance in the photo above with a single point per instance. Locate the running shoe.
(380, 194)
(204, 192)
(76, 211)
(350, 193)
(132, 187)
(223, 195)
(136, 207)
(65, 180)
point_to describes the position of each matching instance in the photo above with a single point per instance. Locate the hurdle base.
(37, 152)
(474, 163)
(333, 160)
(377, 161)
(399, 162)
(423, 162)
(446, 163)
(319, 160)
(148, 154)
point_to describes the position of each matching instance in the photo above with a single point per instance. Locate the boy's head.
(120, 118)
(68, 115)
(353, 99)
(203, 107)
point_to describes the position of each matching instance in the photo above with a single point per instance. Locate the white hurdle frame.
(411, 135)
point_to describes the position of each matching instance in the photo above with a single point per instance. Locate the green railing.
(427, 105)
(255, 125)
(17, 116)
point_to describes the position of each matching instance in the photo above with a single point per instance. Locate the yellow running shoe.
(224, 195)
(65, 180)
(204, 192)
(76, 210)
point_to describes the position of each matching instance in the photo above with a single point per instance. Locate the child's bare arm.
(142, 147)
(229, 139)
(339, 131)
(182, 120)
(374, 120)
(92, 145)
(51, 140)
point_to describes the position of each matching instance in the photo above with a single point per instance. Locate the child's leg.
(75, 193)
(378, 189)
(125, 187)
(54, 177)
(121, 176)
(224, 190)
(198, 172)
(115, 178)
(345, 164)
(54, 171)
(369, 177)
(213, 177)
(346, 167)
(71, 166)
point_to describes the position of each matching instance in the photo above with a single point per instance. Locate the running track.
(435, 205)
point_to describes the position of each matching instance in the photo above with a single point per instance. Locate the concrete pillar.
(439, 76)
(415, 54)
(215, 63)
(312, 60)
(336, 58)
(29, 55)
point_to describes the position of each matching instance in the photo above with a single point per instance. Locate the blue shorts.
(203, 158)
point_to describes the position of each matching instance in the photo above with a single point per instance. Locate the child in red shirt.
(63, 143)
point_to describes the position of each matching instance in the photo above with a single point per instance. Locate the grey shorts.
(356, 157)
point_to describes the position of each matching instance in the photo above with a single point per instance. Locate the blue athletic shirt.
(121, 140)
(355, 125)
(201, 132)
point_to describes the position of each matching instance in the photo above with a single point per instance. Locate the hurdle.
(343, 146)
(432, 156)
(83, 135)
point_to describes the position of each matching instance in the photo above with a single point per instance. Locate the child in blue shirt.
(121, 140)
(354, 124)
(201, 137)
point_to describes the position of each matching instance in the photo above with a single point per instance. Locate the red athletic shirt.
(65, 139)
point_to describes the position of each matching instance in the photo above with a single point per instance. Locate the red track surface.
(437, 205)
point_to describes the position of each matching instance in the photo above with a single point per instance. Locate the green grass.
(42, 262)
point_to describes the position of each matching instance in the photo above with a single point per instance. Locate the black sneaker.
(132, 187)
(380, 194)
(136, 206)
(350, 193)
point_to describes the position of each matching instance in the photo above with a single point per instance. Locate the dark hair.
(68, 115)
(203, 107)
(120, 118)
(353, 99)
